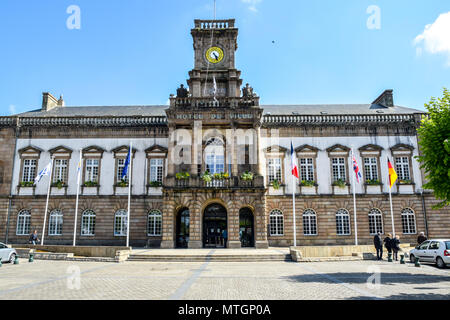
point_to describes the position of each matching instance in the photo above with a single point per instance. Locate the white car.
(434, 251)
(7, 254)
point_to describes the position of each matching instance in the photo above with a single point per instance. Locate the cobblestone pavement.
(222, 280)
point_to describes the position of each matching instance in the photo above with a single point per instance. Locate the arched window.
(276, 223)
(23, 223)
(55, 223)
(342, 222)
(154, 223)
(309, 222)
(408, 221)
(120, 223)
(375, 221)
(88, 223)
(215, 155)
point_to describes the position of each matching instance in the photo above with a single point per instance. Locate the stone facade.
(244, 136)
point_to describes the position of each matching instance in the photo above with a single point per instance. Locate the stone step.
(196, 258)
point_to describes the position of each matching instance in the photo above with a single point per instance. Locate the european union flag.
(127, 163)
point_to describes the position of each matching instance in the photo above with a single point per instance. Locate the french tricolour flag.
(293, 162)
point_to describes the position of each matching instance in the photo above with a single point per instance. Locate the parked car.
(7, 254)
(433, 251)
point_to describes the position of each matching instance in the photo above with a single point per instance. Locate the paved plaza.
(222, 280)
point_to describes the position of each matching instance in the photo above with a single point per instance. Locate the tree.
(434, 141)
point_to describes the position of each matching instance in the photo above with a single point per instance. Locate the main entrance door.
(182, 235)
(246, 228)
(214, 225)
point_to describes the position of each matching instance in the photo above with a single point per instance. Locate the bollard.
(16, 260)
(417, 264)
(389, 257)
(31, 259)
(402, 259)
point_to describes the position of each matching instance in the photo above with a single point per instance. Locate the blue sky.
(137, 52)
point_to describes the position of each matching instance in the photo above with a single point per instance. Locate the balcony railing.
(220, 102)
(231, 183)
(214, 24)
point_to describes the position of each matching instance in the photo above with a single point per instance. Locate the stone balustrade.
(231, 183)
(220, 102)
(214, 24)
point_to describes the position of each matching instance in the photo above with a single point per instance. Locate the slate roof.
(159, 110)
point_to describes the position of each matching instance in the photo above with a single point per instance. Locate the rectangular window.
(60, 170)
(92, 170)
(338, 165)
(306, 169)
(55, 225)
(29, 170)
(371, 169)
(274, 169)
(215, 163)
(120, 166)
(156, 170)
(402, 168)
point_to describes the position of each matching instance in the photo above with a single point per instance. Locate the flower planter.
(89, 191)
(54, 191)
(308, 190)
(341, 191)
(405, 188)
(157, 191)
(120, 191)
(26, 191)
(276, 192)
(373, 189)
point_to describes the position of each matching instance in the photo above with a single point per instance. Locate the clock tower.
(215, 44)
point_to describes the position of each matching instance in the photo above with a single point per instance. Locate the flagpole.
(129, 194)
(354, 202)
(46, 204)
(392, 212)
(76, 203)
(293, 195)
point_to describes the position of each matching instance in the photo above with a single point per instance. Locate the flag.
(392, 175)
(79, 167)
(293, 162)
(127, 163)
(356, 169)
(44, 172)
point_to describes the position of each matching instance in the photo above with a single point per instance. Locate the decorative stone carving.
(182, 92)
(247, 91)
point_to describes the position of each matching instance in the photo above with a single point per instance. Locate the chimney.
(48, 101)
(386, 99)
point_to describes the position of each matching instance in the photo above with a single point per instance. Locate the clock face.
(214, 55)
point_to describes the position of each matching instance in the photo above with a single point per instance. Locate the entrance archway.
(183, 222)
(246, 228)
(214, 225)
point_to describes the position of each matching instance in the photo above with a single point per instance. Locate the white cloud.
(12, 109)
(435, 38)
(252, 4)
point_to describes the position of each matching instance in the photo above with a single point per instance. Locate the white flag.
(44, 172)
(215, 88)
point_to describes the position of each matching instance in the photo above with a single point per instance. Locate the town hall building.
(213, 168)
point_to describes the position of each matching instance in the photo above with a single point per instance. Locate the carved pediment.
(123, 150)
(156, 149)
(275, 149)
(30, 151)
(402, 147)
(60, 150)
(370, 147)
(306, 148)
(93, 149)
(338, 148)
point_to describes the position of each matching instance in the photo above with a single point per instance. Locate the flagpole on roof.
(293, 165)
(129, 194)
(46, 203)
(76, 203)
(354, 201)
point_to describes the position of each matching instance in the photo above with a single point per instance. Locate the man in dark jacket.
(378, 243)
(421, 238)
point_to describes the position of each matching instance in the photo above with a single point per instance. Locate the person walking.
(34, 237)
(421, 238)
(395, 244)
(224, 236)
(387, 243)
(378, 246)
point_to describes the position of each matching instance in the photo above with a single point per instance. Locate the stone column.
(195, 228)
(233, 229)
(171, 165)
(261, 241)
(169, 221)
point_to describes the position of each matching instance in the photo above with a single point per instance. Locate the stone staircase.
(211, 258)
